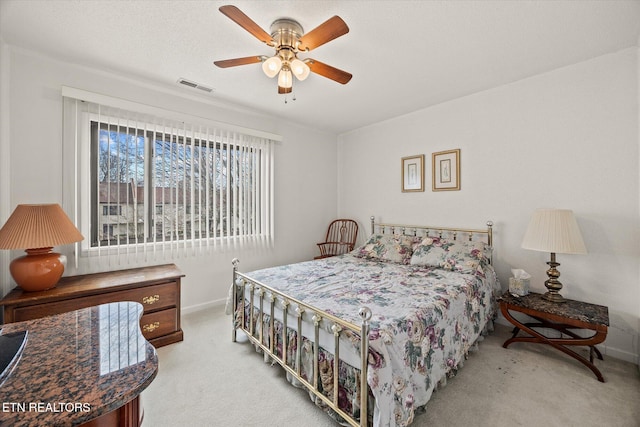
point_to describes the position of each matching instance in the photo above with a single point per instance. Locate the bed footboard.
(254, 328)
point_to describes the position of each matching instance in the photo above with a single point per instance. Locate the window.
(152, 180)
(107, 230)
(178, 175)
(111, 210)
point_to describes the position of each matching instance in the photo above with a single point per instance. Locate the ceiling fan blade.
(237, 16)
(284, 89)
(226, 63)
(331, 29)
(328, 71)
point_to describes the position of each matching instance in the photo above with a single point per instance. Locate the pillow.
(387, 247)
(464, 257)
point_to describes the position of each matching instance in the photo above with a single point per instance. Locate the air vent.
(194, 85)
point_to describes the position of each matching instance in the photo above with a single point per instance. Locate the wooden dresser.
(157, 288)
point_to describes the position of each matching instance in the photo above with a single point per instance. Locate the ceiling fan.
(289, 39)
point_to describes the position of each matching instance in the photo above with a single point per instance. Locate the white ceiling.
(404, 55)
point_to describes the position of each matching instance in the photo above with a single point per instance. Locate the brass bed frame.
(320, 318)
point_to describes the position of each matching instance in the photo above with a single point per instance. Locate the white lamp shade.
(300, 69)
(285, 79)
(554, 230)
(272, 66)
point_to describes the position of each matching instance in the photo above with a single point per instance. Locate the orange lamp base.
(39, 270)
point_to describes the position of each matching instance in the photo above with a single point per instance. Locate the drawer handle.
(151, 299)
(150, 327)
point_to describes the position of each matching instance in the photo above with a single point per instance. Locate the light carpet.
(207, 380)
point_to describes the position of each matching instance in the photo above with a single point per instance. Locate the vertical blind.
(147, 184)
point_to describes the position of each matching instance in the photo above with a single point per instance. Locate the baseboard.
(619, 354)
(203, 306)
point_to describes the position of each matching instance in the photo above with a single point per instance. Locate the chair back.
(341, 237)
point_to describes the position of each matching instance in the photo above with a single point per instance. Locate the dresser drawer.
(152, 298)
(160, 323)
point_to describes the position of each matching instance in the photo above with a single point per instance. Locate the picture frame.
(413, 173)
(446, 170)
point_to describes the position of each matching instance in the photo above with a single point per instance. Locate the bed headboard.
(484, 235)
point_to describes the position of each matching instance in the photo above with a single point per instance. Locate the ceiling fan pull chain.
(286, 101)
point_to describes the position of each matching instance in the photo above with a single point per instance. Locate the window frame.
(230, 152)
(80, 106)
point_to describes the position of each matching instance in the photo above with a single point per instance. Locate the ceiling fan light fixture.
(300, 69)
(272, 66)
(288, 39)
(285, 79)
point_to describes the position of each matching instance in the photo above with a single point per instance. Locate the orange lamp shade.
(37, 229)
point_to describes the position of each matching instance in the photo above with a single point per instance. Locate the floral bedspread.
(424, 320)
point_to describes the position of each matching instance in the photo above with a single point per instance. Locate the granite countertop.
(77, 366)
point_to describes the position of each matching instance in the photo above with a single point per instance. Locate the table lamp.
(37, 229)
(554, 231)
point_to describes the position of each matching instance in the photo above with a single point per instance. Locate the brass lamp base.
(552, 283)
(553, 297)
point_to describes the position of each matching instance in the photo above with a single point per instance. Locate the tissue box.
(519, 286)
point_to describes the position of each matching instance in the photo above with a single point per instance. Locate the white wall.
(304, 204)
(568, 138)
(5, 119)
(565, 139)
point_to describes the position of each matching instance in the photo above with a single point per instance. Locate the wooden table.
(561, 317)
(85, 367)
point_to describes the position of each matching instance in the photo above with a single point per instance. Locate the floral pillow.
(387, 247)
(464, 257)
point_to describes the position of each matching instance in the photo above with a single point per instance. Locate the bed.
(373, 333)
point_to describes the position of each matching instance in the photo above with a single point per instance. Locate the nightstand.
(561, 317)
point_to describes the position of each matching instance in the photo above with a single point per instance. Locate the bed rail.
(318, 317)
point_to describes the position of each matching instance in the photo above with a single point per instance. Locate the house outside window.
(198, 188)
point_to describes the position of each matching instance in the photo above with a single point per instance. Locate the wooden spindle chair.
(341, 238)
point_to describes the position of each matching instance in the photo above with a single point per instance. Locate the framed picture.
(413, 173)
(446, 170)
